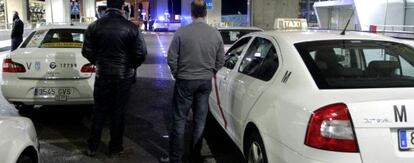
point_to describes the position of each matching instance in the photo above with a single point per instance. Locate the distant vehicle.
(317, 97)
(18, 140)
(165, 25)
(49, 69)
(232, 34)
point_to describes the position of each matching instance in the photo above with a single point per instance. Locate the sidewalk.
(5, 45)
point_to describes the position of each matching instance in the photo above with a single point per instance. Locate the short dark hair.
(115, 3)
(198, 9)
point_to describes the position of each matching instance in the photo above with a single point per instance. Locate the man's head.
(115, 3)
(198, 9)
(15, 15)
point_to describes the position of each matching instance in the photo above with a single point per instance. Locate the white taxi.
(232, 34)
(18, 139)
(317, 97)
(49, 69)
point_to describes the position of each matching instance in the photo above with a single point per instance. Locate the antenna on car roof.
(347, 23)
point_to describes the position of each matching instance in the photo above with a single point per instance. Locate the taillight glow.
(88, 68)
(12, 67)
(330, 128)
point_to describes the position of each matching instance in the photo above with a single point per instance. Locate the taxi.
(317, 97)
(232, 34)
(18, 138)
(49, 69)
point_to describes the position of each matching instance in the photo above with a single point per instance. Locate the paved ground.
(62, 130)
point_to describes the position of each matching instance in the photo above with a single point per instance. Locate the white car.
(232, 34)
(49, 69)
(160, 26)
(318, 97)
(18, 140)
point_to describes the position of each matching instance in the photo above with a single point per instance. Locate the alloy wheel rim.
(255, 153)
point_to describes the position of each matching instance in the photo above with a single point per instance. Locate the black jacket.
(17, 31)
(115, 45)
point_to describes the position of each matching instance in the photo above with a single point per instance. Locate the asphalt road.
(63, 130)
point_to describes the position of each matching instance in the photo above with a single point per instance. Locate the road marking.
(164, 52)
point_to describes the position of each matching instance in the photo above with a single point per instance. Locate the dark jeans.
(188, 94)
(15, 42)
(111, 98)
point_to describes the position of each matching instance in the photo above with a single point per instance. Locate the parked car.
(317, 97)
(18, 140)
(49, 69)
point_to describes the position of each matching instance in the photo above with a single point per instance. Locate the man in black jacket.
(17, 31)
(117, 48)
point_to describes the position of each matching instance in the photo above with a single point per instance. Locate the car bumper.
(277, 152)
(22, 91)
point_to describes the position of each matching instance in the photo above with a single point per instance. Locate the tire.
(255, 152)
(25, 159)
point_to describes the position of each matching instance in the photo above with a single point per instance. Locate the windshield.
(358, 63)
(55, 38)
(231, 36)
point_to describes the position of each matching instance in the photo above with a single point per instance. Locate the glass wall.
(3, 22)
(36, 11)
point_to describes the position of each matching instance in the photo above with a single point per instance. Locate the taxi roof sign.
(290, 24)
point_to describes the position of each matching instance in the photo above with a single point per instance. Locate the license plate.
(53, 92)
(61, 98)
(406, 139)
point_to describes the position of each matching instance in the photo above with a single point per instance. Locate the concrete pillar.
(16, 5)
(214, 14)
(58, 11)
(89, 8)
(264, 12)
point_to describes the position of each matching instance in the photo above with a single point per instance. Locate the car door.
(253, 77)
(218, 99)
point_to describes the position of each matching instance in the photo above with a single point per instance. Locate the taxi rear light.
(330, 128)
(88, 68)
(12, 67)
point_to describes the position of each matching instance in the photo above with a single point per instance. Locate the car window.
(56, 38)
(35, 40)
(260, 60)
(339, 64)
(231, 36)
(233, 55)
(28, 39)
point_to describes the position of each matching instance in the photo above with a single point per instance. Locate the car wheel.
(25, 159)
(256, 152)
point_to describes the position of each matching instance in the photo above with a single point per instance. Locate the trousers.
(110, 99)
(188, 94)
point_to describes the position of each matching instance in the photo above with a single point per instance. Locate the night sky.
(232, 7)
(229, 7)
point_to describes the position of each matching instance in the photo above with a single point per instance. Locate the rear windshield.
(342, 64)
(231, 36)
(55, 38)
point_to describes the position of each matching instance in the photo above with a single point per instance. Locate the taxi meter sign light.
(291, 24)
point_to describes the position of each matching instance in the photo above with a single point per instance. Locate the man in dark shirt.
(117, 48)
(17, 31)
